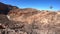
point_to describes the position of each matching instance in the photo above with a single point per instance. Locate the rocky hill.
(28, 21)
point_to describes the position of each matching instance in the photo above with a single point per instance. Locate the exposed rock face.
(29, 21)
(22, 14)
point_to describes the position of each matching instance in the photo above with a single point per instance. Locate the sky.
(36, 4)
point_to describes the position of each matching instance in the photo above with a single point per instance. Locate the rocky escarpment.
(29, 21)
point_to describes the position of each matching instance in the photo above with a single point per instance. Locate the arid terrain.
(14, 20)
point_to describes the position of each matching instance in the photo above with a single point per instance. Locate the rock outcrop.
(28, 21)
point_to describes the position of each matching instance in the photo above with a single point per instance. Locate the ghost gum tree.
(51, 7)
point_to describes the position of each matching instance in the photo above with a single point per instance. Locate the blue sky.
(37, 4)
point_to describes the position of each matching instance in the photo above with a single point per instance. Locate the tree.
(51, 7)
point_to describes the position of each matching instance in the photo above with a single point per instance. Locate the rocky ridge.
(28, 21)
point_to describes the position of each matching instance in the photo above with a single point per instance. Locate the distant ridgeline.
(4, 8)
